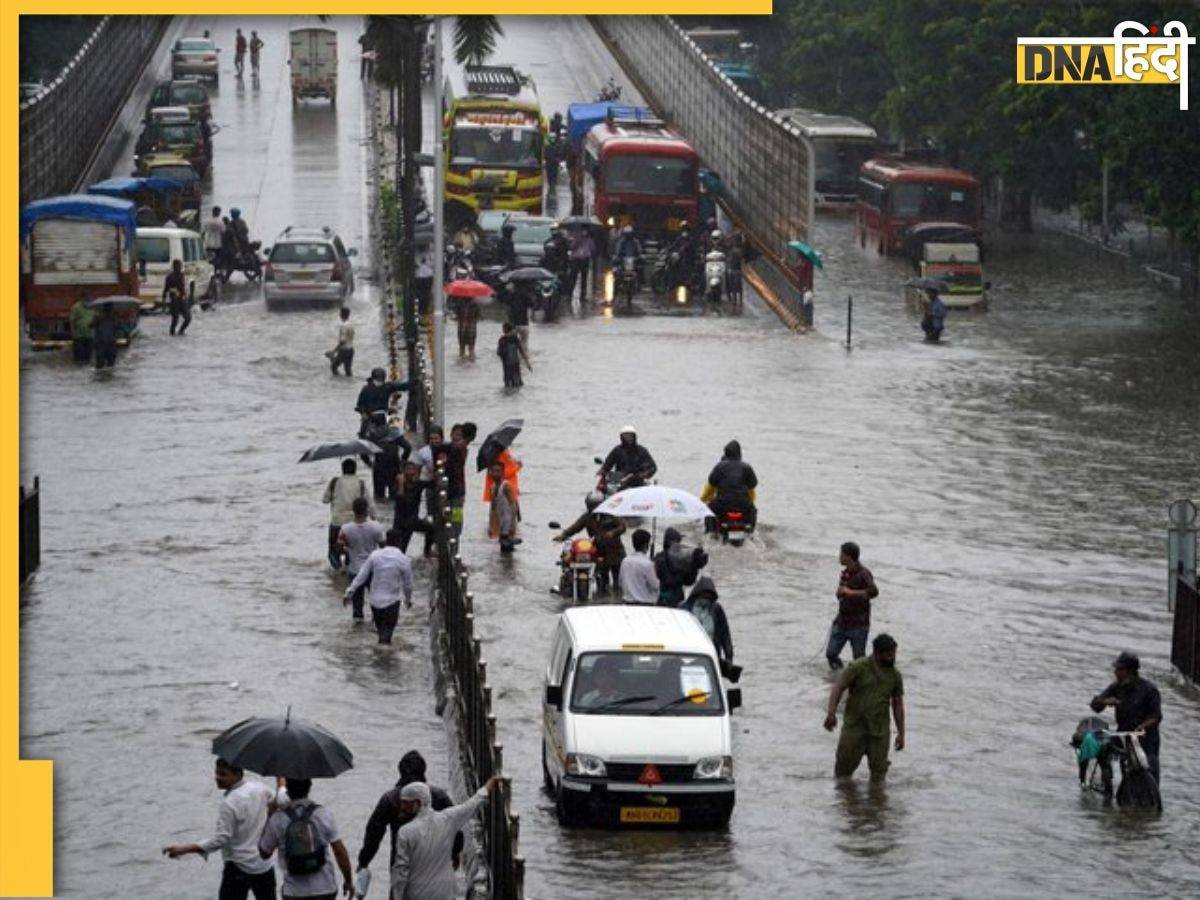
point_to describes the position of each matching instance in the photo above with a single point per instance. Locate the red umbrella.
(466, 287)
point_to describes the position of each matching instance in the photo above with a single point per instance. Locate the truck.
(314, 62)
(70, 246)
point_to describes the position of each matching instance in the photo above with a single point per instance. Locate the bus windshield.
(838, 162)
(640, 684)
(510, 148)
(933, 202)
(664, 176)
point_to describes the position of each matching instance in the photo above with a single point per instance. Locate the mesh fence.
(62, 126)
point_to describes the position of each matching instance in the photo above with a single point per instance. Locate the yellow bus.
(493, 140)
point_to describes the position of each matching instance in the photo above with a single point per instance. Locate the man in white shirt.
(340, 494)
(310, 871)
(426, 458)
(240, 820)
(389, 572)
(214, 229)
(639, 584)
(359, 539)
(343, 354)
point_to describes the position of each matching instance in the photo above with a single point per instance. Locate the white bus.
(841, 145)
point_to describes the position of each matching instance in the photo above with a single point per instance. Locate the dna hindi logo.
(1135, 54)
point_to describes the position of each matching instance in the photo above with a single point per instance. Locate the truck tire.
(547, 781)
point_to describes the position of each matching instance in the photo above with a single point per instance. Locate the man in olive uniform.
(875, 685)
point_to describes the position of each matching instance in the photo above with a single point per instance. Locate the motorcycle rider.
(375, 395)
(731, 487)
(630, 464)
(556, 253)
(507, 250)
(605, 531)
(1137, 705)
(241, 231)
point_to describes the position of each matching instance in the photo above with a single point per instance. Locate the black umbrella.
(498, 440)
(927, 284)
(356, 447)
(291, 748)
(580, 222)
(530, 273)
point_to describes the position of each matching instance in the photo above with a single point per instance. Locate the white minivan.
(156, 249)
(635, 720)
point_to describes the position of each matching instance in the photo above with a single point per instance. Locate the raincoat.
(702, 603)
(422, 870)
(512, 471)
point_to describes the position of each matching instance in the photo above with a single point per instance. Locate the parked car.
(313, 61)
(182, 92)
(156, 249)
(636, 723)
(195, 56)
(308, 264)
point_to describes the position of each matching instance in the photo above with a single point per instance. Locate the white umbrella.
(655, 502)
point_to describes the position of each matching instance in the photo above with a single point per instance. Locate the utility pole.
(439, 296)
(409, 128)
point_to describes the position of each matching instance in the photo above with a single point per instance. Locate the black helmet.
(592, 500)
(379, 373)
(1128, 661)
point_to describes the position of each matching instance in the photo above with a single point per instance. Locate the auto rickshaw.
(951, 254)
(158, 200)
(177, 169)
(185, 138)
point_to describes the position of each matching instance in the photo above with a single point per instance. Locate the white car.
(308, 264)
(195, 56)
(635, 719)
(156, 249)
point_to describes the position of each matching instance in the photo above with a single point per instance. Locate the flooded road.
(1008, 490)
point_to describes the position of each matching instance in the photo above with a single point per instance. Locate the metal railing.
(62, 126)
(764, 163)
(458, 644)
(1185, 636)
(30, 528)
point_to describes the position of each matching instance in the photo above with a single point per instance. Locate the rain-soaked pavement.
(1008, 489)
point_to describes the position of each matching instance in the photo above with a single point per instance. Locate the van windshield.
(640, 684)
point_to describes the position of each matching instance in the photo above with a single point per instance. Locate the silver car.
(308, 264)
(194, 56)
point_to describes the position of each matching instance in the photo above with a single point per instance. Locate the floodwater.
(1008, 489)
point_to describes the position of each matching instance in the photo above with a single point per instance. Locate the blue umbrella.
(807, 252)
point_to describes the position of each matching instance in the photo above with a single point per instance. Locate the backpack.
(303, 848)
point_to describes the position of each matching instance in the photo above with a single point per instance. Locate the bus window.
(870, 194)
(932, 202)
(665, 175)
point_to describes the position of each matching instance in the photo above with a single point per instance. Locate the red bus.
(894, 194)
(638, 172)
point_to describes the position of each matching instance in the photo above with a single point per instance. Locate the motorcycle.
(611, 92)
(615, 482)
(735, 526)
(627, 279)
(714, 277)
(673, 267)
(578, 563)
(1096, 748)
(247, 261)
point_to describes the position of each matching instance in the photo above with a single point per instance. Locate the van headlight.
(586, 765)
(714, 767)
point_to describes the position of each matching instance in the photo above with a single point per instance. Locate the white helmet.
(629, 429)
(628, 229)
(716, 235)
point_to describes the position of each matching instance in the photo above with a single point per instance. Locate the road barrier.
(1185, 637)
(457, 645)
(30, 528)
(764, 163)
(65, 124)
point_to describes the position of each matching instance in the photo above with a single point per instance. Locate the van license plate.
(649, 814)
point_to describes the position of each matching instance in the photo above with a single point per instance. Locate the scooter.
(615, 482)
(673, 267)
(735, 526)
(714, 278)
(1096, 747)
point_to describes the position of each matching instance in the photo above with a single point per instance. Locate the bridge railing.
(765, 163)
(63, 125)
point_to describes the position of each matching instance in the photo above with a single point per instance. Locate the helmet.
(628, 429)
(379, 374)
(716, 235)
(508, 228)
(628, 229)
(235, 212)
(1128, 661)
(592, 500)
